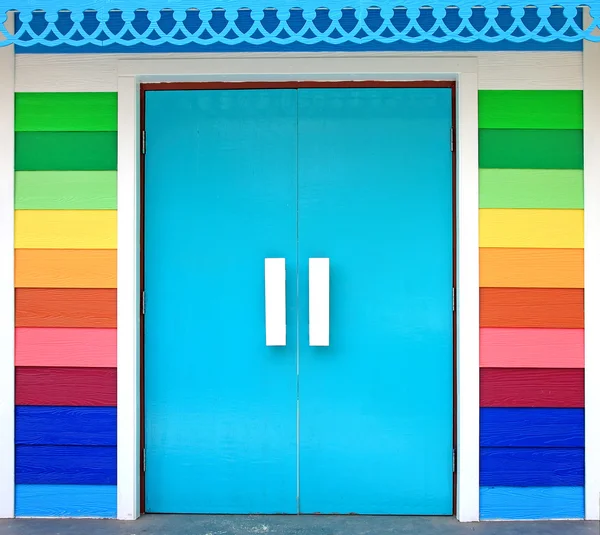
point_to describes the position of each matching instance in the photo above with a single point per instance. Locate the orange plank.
(530, 268)
(65, 268)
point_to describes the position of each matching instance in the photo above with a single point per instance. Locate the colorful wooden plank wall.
(531, 277)
(66, 310)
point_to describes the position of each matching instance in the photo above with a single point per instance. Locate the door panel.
(220, 197)
(375, 197)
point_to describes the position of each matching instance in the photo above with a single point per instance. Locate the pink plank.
(531, 348)
(60, 347)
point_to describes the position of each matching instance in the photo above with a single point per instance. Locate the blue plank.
(531, 503)
(529, 427)
(66, 465)
(84, 501)
(66, 426)
(532, 467)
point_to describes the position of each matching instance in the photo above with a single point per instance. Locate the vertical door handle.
(318, 301)
(275, 301)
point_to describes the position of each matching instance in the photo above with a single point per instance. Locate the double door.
(358, 421)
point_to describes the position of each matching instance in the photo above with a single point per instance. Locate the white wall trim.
(7, 279)
(463, 69)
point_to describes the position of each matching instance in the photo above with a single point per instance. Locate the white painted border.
(317, 68)
(7, 279)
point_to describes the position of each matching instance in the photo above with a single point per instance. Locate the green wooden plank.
(65, 151)
(66, 112)
(555, 110)
(66, 190)
(530, 188)
(530, 149)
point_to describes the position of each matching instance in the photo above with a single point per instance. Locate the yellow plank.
(65, 229)
(531, 228)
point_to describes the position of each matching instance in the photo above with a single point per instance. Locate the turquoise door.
(362, 177)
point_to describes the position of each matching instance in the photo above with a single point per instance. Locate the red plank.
(66, 386)
(538, 387)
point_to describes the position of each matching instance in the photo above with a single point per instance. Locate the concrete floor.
(290, 525)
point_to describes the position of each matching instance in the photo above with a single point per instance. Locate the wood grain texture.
(66, 426)
(531, 467)
(65, 268)
(64, 347)
(65, 112)
(530, 268)
(71, 387)
(549, 109)
(531, 188)
(66, 465)
(539, 387)
(530, 149)
(65, 229)
(532, 428)
(531, 503)
(546, 229)
(531, 307)
(531, 348)
(66, 190)
(71, 307)
(67, 501)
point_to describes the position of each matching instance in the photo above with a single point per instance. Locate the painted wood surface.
(66, 112)
(65, 268)
(531, 307)
(87, 387)
(65, 151)
(530, 149)
(532, 467)
(531, 503)
(531, 188)
(66, 426)
(526, 427)
(65, 347)
(71, 307)
(65, 229)
(545, 229)
(550, 109)
(531, 348)
(535, 387)
(530, 268)
(66, 190)
(66, 465)
(71, 501)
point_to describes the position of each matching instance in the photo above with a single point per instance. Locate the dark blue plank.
(66, 465)
(532, 467)
(528, 427)
(66, 426)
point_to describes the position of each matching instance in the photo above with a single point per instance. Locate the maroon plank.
(66, 386)
(532, 387)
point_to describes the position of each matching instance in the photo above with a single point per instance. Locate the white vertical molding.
(275, 309)
(591, 150)
(318, 302)
(7, 284)
(467, 303)
(128, 302)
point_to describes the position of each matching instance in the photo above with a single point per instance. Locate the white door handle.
(318, 301)
(275, 301)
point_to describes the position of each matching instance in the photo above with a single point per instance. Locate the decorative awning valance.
(181, 22)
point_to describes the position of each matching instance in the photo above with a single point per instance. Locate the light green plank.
(66, 190)
(530, 188)
(560, 109)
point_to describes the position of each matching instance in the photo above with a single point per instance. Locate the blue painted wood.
(220, 198)
(375, 196)
(66, 426)
(66, 465)
(531, 503)
(532, 467)
(528, 427)
(99, 501)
